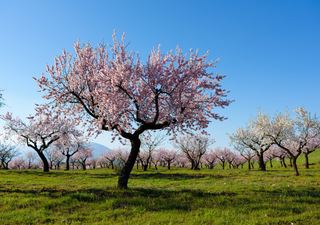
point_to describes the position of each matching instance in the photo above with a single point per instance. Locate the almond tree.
(84, 153)
(194, 146)
(43, 129)
(279, 153)
(222, 155)
(167, 155)
(252, 138)
(31, 156)
(69, 144)
(7, 153)
(148, 147)
(119, 93)
(312, 145)
(110, 156)
(210, 159)
(291, 135)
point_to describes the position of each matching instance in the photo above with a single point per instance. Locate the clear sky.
(269, 50)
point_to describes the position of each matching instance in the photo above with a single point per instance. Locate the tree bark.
(67, 162)
(44, 161)
(307, 160)
(284, 163)
(145, 167)
(249, 164)
(270, 160)
(262, 165)
(295, 167)
(126, 170)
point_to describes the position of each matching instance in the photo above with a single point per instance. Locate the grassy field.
(178, 196)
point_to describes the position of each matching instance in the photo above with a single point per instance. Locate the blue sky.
(269, 50)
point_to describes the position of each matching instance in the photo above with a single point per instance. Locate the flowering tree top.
(115, 91)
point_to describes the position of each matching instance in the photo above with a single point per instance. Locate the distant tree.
(18, 163)
(7, 153)
(252, 138)
(222, 155)
(111, 156)
(313, 144)
(43, 129)
(210, 159)
(83, 154)
(70, 143)
(167, 155)
(194, 146)
(291, 135)
(31, 156)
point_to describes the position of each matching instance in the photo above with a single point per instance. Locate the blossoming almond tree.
(292, 135)
(71, 143)
(42, 130)
(312, 145)
(194, 147)
(253, 138)
(118, 92)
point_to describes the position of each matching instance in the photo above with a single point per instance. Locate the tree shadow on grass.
(173, 176)
(57, 173)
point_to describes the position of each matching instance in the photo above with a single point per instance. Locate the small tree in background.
(291, 135)
(7, 153)
(194, 146)
(43, 129)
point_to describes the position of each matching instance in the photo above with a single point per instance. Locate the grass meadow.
(176, 196)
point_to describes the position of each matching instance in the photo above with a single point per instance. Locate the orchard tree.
(84, 153)
(31, 156)
(71, 143)
(7, 153)
(312, 145)
(210, 159)
(253, 138)
(222, 155)
(167, 155)
(291, 134)
(111, 156)
(117, 92)
(194, 146)
(43, 129)
(148, 148)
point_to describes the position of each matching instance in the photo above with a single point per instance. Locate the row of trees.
(291, 136)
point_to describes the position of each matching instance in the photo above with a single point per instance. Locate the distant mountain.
(97, 149)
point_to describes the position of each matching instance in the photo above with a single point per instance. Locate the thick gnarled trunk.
(262, 165)
(126, 170)
(44, 161)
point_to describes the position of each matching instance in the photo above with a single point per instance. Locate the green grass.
(178, 196)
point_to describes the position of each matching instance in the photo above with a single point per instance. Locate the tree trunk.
(168, 165)
(126, 170)
(145, 167)
(262, 166)
(44, 161)
(290, 162)
(84, 165)
(307, 160)
(270, 160)
(284, 163)
(295, 167)
(249, 164)
(67, 162)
